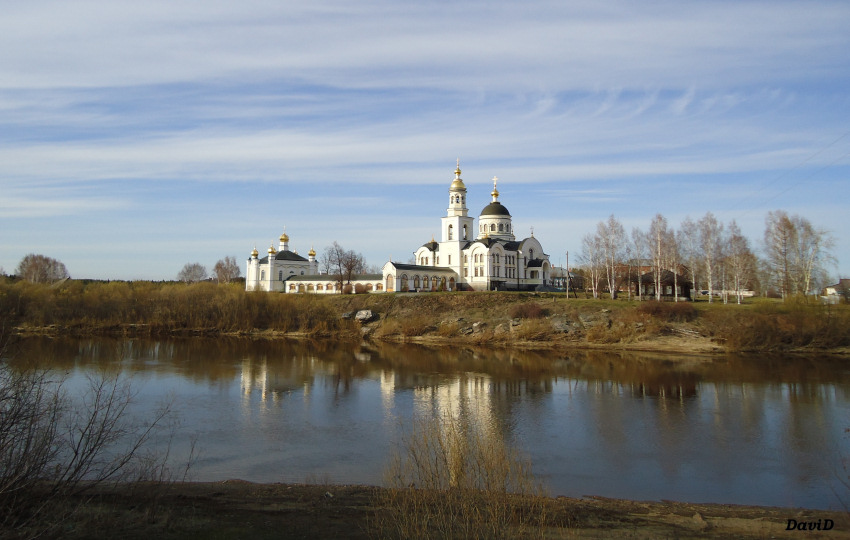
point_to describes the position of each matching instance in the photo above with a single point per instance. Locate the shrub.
(53, 448)
(527, 311)
(668, 311)
(451, 479)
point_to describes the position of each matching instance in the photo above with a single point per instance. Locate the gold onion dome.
(458, 183)
(284, 237)
(254, 252)
(272, 250)
(312, 252)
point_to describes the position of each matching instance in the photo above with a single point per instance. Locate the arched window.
(404, 285)
(310, 287)
(451, 232)
(280, 276)
(501, 227)
(262, 274)
(320, 287)
(415, 282)
(425, 282)
(465, 233)
(380, 286)
(369, 286)
(492, 227)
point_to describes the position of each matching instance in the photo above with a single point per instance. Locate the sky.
(136, 137)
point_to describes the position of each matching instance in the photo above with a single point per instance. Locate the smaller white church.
(467, 258)
(272, 271)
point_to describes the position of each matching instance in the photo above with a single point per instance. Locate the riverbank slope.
(496, 319)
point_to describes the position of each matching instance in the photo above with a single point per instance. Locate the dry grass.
(534, 330)
(449, 479)
(775, 326)
(531, 310)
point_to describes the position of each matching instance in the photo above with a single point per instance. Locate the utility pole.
(569, 279)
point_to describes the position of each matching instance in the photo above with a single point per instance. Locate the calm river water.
(745, 430)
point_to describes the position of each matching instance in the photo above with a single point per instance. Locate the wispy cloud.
(301, 109)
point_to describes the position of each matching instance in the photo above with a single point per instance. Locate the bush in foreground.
(450, 479)
(54, 447)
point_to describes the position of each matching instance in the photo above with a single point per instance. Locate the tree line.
(713, 256)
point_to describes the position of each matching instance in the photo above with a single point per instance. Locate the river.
(761, 430)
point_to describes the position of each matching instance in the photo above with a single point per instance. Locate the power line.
(796, 167)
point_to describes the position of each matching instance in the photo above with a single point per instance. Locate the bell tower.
(457, 225)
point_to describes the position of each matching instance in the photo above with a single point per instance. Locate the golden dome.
(284, 237)
(254, 252)
(312, 252)
(272, 250)
(458, 183)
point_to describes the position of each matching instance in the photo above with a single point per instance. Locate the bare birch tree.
(710, 232)
(226, 270)
(740, 261)
(41, 269)
(795, 251)
(658, 249)
(813, 253)
(639, 248)
(611, 238)
(192, 273)
(342, 263)
(591, 257)
(688, 240)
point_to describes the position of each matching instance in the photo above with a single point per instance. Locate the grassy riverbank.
(494, 319)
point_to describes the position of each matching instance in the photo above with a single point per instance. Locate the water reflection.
(738, 429)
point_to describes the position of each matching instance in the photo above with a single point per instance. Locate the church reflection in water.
(750, 430)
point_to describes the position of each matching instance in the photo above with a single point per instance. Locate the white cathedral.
(493, 260)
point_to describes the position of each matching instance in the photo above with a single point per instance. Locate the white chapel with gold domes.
(488, 257)
(271, 272)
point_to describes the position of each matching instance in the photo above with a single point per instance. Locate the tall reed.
(452, 479)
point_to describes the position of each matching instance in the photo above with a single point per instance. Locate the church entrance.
(390, 283)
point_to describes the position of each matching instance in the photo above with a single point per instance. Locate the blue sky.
(138, 136)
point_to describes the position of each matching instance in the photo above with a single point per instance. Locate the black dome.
(495, 209)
